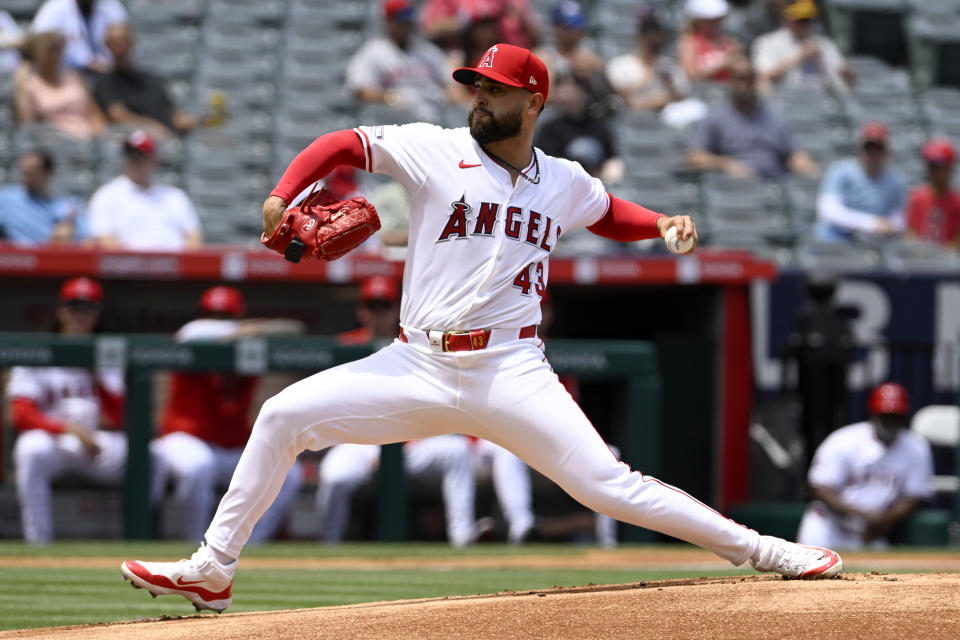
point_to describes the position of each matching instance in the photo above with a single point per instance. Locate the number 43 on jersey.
(531, 276)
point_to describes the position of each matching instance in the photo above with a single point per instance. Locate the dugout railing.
(633, 363)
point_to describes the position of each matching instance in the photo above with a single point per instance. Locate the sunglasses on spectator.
(379, 305)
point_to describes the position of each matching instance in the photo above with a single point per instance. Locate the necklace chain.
(536, 164)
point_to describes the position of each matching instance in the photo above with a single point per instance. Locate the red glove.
(324, 227)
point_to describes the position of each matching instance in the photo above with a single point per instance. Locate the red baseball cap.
(874, 132)
(380, 288)
(939, 151)
(81, 290)
(510, 65)
(223, 299)
(141, 142)
(889, 398)
(398, 10)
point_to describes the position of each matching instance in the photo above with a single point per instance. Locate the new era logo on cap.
(510, 65)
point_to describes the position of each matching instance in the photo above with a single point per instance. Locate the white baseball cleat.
(201, 579)
(794, 560)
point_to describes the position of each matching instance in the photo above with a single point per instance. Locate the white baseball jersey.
(479, 243)
(48, 387)
(156, 218)
(869, 476)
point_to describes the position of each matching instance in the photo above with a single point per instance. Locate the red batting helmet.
(939, 151)
(81, 290)
(222, 299)
(887, 398)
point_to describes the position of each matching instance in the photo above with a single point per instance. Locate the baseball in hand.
(675, 244)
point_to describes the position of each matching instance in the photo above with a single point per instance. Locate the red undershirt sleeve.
(324, 154)
(112, 406)
(626, 221)
(26, 415)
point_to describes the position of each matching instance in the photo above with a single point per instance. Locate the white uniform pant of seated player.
(197, 468)
(507, 394)
(346, 467)
(41, 457)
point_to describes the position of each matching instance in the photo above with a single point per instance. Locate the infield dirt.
(872, 606)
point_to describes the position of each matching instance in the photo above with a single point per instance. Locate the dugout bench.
(632, 362)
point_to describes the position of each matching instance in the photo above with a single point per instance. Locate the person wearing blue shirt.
(862, 199)
(30, 215)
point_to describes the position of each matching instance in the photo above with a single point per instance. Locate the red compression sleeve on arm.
(324, 154)
(26, 415)
(626, 221)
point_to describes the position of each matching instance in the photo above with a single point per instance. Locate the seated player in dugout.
(487, 208)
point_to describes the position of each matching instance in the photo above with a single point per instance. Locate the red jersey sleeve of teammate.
(111, 407)
(26, 416)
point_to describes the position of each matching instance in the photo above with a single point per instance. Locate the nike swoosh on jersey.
(468, 166)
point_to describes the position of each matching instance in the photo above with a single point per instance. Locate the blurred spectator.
(444, 21)
(862, 198)
(205, 424)
(131, 96)
(480, 32)
(570, 55)
(645, 78)
(933, 212)
(45, 92)
(401, 69)
(11, 37)
(83, 24)
(705, 51)
(867, 477)
(795, 55)
(69, 419)
(134, 212)
(30, 214)
(744, 138)
(574, 134)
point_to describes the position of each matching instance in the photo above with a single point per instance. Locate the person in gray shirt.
(744, 138)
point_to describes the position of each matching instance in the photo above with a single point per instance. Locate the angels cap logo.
(309, 224)
(487, 60)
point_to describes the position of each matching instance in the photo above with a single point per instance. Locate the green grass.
(41, 597)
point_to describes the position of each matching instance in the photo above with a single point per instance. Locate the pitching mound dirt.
(861, 606)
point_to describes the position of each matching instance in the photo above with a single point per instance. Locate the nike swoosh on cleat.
(180, 582)
(468, 166)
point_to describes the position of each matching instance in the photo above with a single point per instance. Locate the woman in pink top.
(48, 94)
(705, 51)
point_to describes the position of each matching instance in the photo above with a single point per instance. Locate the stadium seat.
(940, 426)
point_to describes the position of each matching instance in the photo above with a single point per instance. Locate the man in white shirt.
(867, 477)
(133, 212)
(84, 24)
(794, 55)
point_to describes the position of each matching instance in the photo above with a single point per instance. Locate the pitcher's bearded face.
(486, 127)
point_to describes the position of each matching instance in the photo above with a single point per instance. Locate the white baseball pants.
(511, 483)
(40, 457)
(507, 394)
(197, 468)
(347, 466)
